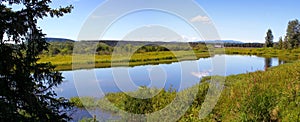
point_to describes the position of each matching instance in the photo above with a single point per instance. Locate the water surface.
(179, 75)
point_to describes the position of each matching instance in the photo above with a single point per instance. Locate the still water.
(179, 75)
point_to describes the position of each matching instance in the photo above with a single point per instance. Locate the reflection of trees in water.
(281, 62)
(268, 63)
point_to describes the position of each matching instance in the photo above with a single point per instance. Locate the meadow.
(272, 95)
(62, 55)
(65, 61)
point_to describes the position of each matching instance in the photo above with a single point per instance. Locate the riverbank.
(266, 52)
(64, 62)
(271, 95)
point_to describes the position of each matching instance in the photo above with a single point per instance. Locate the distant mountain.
(223, 41)
(48, 39)
(58, 40)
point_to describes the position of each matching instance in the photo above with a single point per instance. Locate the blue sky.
(241, 20)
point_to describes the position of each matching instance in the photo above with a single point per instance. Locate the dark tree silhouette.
(280, 43)
(269, 39)
(268, 63)
(293, 34)
(26, 87)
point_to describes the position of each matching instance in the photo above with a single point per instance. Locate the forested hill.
(48, 39)
(113, 43)
(223, 41)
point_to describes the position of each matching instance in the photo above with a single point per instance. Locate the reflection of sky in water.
(178, 75)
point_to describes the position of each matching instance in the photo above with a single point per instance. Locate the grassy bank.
(273, 95)
(64, 62)
(266, 52)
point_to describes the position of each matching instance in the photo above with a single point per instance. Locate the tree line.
(26, 87)
(106, 48)
(290, 41)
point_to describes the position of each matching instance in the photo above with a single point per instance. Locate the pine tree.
(280, 43)
(269, 39)
(293, 33)
(285, 43)
(26, 87)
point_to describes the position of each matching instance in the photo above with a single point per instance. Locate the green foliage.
(153, 48)
(104, 49)
(269, 39)
(77, 102)
(60, 53)
(280, 43)
(64, 62)
(139, 105)
(261, 96)
(63, 48)
(293, 34)
(273, 95)
(285, 43)
(258, 105)
(26, 92)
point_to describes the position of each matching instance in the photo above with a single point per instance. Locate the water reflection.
(159, 76)
(281, 61)
(268, 63)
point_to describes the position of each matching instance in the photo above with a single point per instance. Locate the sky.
(241, 20)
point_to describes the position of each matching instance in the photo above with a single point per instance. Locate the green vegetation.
(286, 55)
(64, 62)
(269, 39)
(63, 48)
(292, 37)
(26, 87)
(273, 95)
(27, 74)
(59, 54)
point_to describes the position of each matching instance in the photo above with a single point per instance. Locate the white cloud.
(190, 38)
(200, 74)
(200, 18)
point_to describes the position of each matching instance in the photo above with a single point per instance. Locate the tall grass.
(273, 95)
(64, 62)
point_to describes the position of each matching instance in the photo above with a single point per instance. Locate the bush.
(258, 105)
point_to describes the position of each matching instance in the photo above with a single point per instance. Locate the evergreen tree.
(269, 39)
(26, 87)
(280, 43)
(285, 43)
(293, 33)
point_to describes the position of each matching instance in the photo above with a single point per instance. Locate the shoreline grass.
(64, 62)
(272, 95)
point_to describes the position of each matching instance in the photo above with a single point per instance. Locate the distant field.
(271, 95)
(266, 52)
(64, 62)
